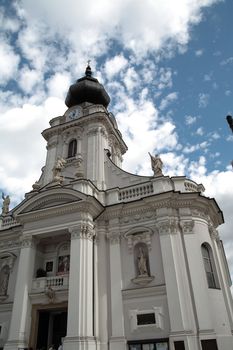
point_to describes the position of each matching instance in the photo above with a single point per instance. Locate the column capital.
(213, 233)
(167, 226)
(114, 237)
(82, 231)
(187, 226)
(27, 241)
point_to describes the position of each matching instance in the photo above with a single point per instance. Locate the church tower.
(97, 258)
(82, 134)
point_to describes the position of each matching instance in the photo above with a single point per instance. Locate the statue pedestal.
(142, 279)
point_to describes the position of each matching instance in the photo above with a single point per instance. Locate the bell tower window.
(72, 148)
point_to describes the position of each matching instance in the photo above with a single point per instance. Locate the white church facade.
(101, 259)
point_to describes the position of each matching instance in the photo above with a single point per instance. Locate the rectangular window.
(155, 344)
(209, 344)
(179, 345)
(144, 319)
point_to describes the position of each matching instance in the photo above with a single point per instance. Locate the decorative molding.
(213, 233)
(142, 280)
(27, 241)
(187, 226)
(7, 259)
(82, 231)
(159, 316)
(114, 237)
(51, 144)
(169, 226)
(138, 235)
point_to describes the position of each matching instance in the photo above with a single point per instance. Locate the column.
(117, 340)
(181, 312)
(80, 302)
(21, 314)
(101, 294)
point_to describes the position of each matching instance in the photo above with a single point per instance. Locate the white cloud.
(168, 100)
(199, 52)
(228, 60)
(230, 138)
(200, 131)
(189, 120)
(131, 79)
(115, 65)
(58, 85)
(9, 62)
(228, 92)
(203, 100)
(208, 77)
(28, 78)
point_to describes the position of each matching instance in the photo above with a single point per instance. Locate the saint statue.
(4, 278)
(5, 204)
(156, 165)
(142, 268)
(59, 165)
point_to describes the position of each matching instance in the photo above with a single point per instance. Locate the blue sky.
(166, 64)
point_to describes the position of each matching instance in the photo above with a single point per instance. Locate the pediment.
(49, 199)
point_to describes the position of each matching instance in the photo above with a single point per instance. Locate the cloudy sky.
(166, 64)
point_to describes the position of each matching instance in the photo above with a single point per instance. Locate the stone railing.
(191, 186)
(7, 222)
(136, 192)
(40, 285)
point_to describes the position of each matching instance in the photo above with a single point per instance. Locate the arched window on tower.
(209, 265)
(72, 148)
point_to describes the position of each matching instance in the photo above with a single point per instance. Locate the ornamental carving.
(138, 236)
(83, 231)
(213, 233)
(169, 226)
(187, 226)
(114, 237)
(27, 242)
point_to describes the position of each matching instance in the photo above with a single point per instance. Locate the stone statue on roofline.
(156, 165)
(5, 204)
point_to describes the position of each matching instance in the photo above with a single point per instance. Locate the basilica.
(96, 258)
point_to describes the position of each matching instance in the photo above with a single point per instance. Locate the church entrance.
(49, 328)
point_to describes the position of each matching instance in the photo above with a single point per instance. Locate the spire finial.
(88, 72)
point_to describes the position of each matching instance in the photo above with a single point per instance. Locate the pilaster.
(20, 327)
(117, 340)
(80, 333)
(179, 299)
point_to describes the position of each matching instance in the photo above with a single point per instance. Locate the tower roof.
(87, 89)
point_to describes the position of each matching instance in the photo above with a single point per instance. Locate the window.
(144, 319)
(209, 344)
(209, 266)
(72, 148)
(155, 344)
(179, 345)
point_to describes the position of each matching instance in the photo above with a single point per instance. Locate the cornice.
(99, 117)
(200, 206)
(144, 292)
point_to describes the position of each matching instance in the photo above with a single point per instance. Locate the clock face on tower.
(75, 113)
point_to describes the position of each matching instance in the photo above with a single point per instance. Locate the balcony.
(56, 283)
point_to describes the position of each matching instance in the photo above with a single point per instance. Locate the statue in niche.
(4, 278)
(156, 165)
(142, 262)
(59, 165)
(5, 204)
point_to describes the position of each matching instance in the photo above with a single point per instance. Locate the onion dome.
(87, 89)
